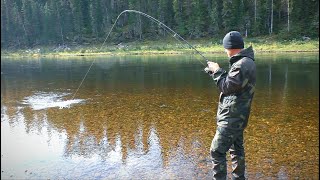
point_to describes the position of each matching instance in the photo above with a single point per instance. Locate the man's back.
(237, 90)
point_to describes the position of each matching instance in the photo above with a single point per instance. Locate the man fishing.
(237, 90)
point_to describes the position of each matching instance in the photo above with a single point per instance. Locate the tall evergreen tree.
(216, 16)
(86, 20)
(179, 17)
(77, 19)
(30, 22)
(96, 18)
(47, 32)
(4, 23)
(66, 19)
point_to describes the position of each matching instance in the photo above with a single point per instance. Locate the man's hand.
(212, 66)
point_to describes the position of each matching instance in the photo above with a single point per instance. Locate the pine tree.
(96, 17)
(201, 17)
(26, 21)
(216, 16)
(49, 27)
(17, 28)
(179, 17)
(77, 19)
(4, 23)
(86, 20)
(30, 22)
(66, 19)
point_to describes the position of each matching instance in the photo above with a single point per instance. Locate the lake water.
(151, 117)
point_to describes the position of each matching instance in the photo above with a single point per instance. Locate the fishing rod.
(172, 32)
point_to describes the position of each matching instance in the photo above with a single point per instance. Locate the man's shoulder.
(243, 64)
(245, 61)
(246, 58)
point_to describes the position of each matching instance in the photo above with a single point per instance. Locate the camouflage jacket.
(237, 89)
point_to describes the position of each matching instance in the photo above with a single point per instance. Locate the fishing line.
(168, 29)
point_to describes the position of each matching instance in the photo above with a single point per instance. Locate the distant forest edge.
(29, 23)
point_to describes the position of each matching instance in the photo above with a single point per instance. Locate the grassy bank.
(163, 47)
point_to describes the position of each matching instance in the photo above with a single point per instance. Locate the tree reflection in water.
(155, 121)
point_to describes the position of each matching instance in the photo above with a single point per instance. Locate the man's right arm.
(228, 83)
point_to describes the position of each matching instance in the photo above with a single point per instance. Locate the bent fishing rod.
(168, 29)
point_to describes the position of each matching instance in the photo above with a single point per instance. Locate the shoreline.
(206, 47)
(148, 53)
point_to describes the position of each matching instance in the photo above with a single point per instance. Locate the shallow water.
(151, 117)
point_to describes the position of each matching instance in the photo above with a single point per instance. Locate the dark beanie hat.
(233, 40)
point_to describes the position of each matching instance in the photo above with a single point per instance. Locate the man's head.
(233, 43)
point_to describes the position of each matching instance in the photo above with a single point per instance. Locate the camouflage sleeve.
(228, 83)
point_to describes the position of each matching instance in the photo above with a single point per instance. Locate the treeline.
(26, 23)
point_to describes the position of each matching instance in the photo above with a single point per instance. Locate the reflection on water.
(152, 118)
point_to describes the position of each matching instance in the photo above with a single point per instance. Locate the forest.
(28, 23)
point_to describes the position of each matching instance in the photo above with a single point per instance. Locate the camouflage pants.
(224, 140)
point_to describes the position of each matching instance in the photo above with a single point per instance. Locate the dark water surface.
(152, 117)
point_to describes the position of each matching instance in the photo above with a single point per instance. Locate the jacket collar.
(248, 52)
